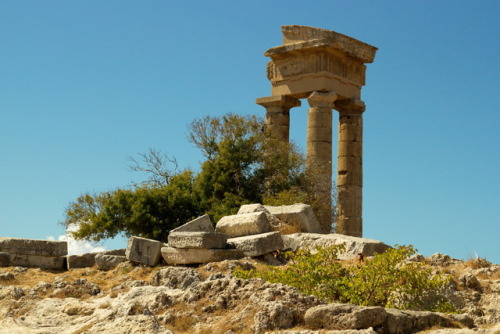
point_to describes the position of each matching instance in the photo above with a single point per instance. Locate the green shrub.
(387, 280)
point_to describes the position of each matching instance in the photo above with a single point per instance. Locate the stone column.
(278, 114)
(350, 167)
(319, 153)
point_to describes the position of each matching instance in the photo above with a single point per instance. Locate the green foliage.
(387, 280)
(243, 164)
(142, 211)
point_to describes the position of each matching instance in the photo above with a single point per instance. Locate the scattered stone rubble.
(221, 303)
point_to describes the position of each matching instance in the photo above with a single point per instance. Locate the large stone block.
(200, 224)
(197, 240)
(33, 247)
(81, 261)
(249, 208)
(353, 245)
(244, 224)
(175, 256)
(258, 244)
(297, 216)
(143, 250)
(38, 261)
(108, 262)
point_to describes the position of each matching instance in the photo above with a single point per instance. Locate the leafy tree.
(244, 164)
(149, 212)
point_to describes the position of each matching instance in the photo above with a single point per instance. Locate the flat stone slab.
(243, 224)
(143, 250)
(33, 247)
(298, 216)
(38, 261)
(108, 262)
(259, 244)
(197, 240)
(175, 256)
(81, 261)
(200, 224)
(353, 245)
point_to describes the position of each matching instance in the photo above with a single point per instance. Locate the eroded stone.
(197, 240)
(175, 256)
(258, 244)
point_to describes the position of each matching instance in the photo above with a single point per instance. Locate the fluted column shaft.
(319, 153)
(350, 168)
(278, 115)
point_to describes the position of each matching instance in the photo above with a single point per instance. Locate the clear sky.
(84, 84)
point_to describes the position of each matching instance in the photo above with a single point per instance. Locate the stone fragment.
(258, 244)
(244, 224)
(38, 261)
(249, 208)
(344, 316)
(33, 247)
(108, 262)
(353, 245)
(296, 218)
(176, 256)
(81, 261)
(120, 252)
(200, 224)
(143, 250)
(197, 240)
(4, 259)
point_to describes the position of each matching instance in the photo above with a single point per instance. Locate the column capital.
(350, 106)
(322, 99)
(284, 101)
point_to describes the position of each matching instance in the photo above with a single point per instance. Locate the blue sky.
(84, 84)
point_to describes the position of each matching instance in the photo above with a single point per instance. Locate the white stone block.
(197, 240)
(258, 244)
(300, 216)
(243, 224)
(143, 250)
(200, 224)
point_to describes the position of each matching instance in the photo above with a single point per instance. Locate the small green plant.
(387, 280)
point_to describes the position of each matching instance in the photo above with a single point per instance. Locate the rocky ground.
(208, 299)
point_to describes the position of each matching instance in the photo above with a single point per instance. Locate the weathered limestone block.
(4, 260)
(299, 217)
(197, 240)
(143, 250)
(175, 256)
(81, 261)
(344, 316)
(249, 208)
(244, 224)
(108, 262)
(353, 245)
(88, 260)
(38, 261)
(33, 247)
(258, 244)
(200, 224)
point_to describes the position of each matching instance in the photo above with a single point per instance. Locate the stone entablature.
(313, 59)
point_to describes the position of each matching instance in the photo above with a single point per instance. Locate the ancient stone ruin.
(328, 69)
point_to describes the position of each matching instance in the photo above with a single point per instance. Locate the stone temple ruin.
(328, 69)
